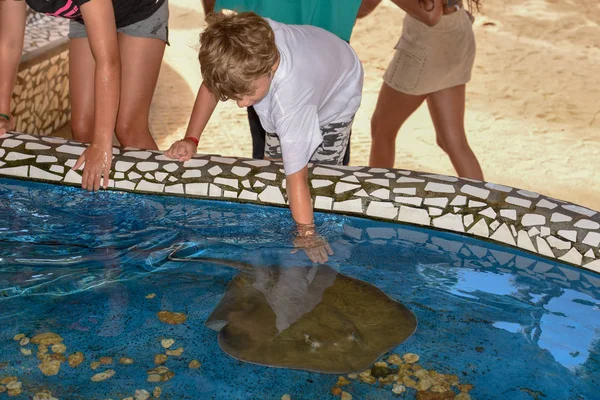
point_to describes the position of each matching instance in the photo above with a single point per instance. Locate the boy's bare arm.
(316, 248)
(299, 197)
(204, 106)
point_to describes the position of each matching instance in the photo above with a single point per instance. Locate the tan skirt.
(429, 59)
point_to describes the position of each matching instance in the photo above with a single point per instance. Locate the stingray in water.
(308, 318)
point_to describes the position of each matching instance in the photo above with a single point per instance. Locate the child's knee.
(82, 128)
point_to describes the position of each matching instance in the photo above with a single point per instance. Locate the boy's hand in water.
(182, 150)
(314, 245)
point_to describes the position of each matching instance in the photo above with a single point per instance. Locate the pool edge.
(512, 217)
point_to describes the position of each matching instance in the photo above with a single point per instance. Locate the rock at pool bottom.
(404, 374)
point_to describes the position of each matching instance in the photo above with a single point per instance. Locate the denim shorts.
(155, 26)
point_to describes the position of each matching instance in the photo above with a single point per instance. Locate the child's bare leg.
(393, 108)
(447, 109)
(141, 59)
(81, 89)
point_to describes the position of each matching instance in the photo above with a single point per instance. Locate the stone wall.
(517, 218)
(41, 96)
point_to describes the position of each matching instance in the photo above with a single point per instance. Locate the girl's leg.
(393, 108)
(141, 59)
(81, 86)
(447, 109)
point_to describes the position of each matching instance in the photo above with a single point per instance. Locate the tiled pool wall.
(40, 101)
(522, 219)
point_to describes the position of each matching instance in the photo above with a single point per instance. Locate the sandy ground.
(533, 105)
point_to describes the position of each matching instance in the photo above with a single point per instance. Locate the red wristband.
(192, 139)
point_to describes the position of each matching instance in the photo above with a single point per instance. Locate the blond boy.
(304, 83)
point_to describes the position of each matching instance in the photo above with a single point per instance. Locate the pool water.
(97, 268)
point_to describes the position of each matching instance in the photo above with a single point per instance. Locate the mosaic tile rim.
(512, 217)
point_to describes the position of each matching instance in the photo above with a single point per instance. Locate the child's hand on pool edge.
(96, 161)
(6, 124)
(182, 150)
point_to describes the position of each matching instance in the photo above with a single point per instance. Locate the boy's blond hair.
(235, 50)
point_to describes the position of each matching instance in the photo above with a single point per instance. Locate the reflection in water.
(553, 316)
(310, 318)
(555, 326)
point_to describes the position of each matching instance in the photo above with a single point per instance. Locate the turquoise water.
(81, 265)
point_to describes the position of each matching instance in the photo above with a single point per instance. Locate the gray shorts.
(336, 137)
(155, 26)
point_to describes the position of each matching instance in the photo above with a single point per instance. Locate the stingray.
(306, 318)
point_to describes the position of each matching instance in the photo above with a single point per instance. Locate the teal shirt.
(336, 16)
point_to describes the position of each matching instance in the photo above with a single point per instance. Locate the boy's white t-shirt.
(318, 81)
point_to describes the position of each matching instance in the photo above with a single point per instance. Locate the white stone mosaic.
(587, 224)
(503, 234)
(323, 203)
(234, 183)
(350, 206)
(319, 183)
(451, 222)
(247, 195)
(404, 179)
(240, 171)
(216, 170)
(350, 178)
(193, 163)
(326, 171)
(191, 173)
(267, 175)
(383, 194)
(415, 201)
(489, 212)
(408, 190)
(436, 201)
(176, 189)
(513, 217)
(468, 220)
(475, 191)
(510, 214)
(380, 182)
(580, 210)
(546, 204)
(499, 188)
(147, 166)
(518, 201)
(342, 187)
(439, 187)
(414, 215)
(382, 210)
(14, 156)
(435, 212)
(494, 225)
